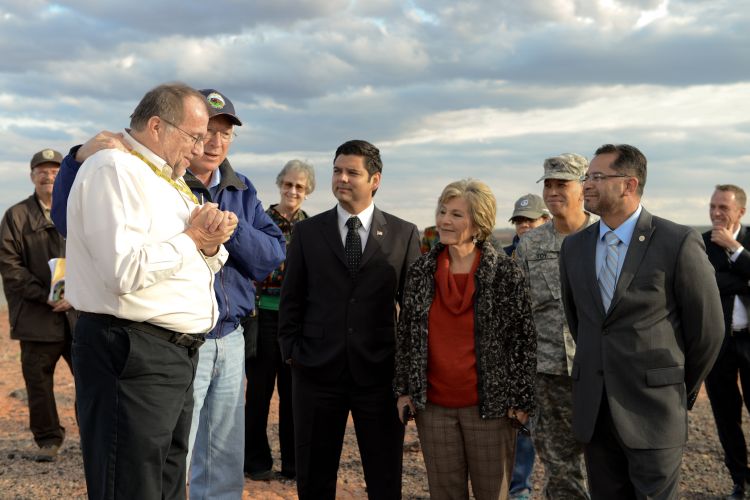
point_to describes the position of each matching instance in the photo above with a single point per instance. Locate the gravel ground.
(703, 472)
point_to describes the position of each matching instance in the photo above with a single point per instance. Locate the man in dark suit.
(337, 326)
(726, 248)
(642, 303)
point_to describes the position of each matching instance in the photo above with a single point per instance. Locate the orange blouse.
(452, 361)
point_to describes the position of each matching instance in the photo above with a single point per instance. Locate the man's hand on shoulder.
(102, 140)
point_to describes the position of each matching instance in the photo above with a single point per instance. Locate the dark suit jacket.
(731, 277)
(658, 341)
(329, 322)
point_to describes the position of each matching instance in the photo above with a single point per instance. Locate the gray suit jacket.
(658, 341)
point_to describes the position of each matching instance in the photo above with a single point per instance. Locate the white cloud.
(608, 108)
(447, 89)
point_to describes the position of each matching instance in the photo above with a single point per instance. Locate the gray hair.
(298, 166)
(166, 101)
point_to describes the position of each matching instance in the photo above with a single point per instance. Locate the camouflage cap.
(46, 156)
(530, 206)
(568, 166)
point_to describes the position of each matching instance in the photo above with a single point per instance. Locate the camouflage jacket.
(537, 253)
(504, 337)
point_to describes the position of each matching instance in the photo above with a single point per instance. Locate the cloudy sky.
(446, 88)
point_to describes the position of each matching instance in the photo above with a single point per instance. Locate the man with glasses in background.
(256, 248)
(642, 304)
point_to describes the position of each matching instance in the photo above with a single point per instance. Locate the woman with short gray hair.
(295, 181)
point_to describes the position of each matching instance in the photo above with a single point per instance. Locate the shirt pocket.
(544, 279)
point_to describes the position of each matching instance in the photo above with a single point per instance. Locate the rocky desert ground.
(703, 473)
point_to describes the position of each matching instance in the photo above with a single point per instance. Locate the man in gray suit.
(642, 303)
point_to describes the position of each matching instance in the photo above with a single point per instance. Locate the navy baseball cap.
(219, 104)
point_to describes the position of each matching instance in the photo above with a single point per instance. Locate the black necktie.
(353, 245)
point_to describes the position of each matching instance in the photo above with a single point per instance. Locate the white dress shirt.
(739, 313)
(365, 217)
(127, 253)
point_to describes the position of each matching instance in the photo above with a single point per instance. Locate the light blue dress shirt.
(624, 232)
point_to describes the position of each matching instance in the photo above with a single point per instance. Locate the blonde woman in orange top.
(466, 350)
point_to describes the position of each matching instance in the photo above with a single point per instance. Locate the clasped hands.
(209, 227)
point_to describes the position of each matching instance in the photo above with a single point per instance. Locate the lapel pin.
(379, 233)
(641, 238)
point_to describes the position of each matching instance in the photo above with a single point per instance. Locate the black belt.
(188, 340)
(741, 331)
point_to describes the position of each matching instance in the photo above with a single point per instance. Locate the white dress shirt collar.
(157, 160)
(625, 230)
(365, 217)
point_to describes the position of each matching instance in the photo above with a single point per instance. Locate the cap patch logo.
(524, 203)
(215, 100)
(48, 154)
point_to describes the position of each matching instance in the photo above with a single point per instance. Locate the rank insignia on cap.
(215, 100)
(48, 154)
(524, 203)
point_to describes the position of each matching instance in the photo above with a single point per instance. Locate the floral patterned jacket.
(505, 337)
(272, 284)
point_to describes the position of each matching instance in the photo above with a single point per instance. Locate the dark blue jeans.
(524, 464)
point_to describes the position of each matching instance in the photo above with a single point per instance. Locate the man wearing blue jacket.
(256, 248)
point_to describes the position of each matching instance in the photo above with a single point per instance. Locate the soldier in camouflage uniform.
(537, 253)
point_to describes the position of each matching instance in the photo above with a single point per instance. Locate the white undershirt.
(365, 217)
(739, 313)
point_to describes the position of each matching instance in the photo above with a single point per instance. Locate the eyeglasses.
(287, 186)
(196, 140)
(597, 177)
(224, 137)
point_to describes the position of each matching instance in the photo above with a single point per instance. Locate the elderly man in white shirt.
(142, 254)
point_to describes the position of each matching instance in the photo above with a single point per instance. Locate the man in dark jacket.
(255, 249)
(337, 329)
(727, 247)
(29, 241)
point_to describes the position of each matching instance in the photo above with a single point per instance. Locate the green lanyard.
(179, 184)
